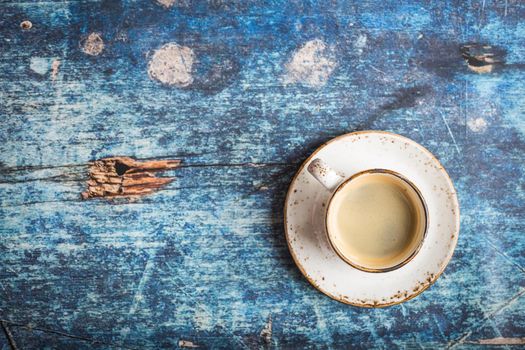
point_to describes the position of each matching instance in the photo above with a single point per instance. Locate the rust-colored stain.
(126, 177)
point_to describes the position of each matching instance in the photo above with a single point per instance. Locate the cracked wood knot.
(126, 177)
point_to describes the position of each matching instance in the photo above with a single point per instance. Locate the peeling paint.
(26, 25)
(187, 344)
(477, 125)
(481, 58)
(169, 3)
(93, 45)
(360, 43)
(126, 177)
(266, 332)
(54, 69)
(40, 65)
(481, 69)
(501, 341)
(172, 65)
(310, 65)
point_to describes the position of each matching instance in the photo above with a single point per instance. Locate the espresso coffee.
(376, 221)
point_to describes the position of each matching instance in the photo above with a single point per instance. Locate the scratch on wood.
(126, 177)
(450, 132)
(504, 255)
(482, 10)
(187, 344)
(377, 69)
(463, 339)
(30, 327)
(9, 335)
(138, 297)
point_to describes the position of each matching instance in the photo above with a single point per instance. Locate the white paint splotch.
(172, 65)
(170, 3)
(187, 344)
(477, 125)
(266, 332)
(40, 65)
(360, 43)
(93, 45)
(311, 65)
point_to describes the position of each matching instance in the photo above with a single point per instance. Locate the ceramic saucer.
(304, 220)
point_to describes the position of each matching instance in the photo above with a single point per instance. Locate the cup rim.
(425, 211)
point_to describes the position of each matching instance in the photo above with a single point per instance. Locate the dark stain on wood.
(438, 56)
(215, 73)
(126, 177)
(402, 98)
(407, 97)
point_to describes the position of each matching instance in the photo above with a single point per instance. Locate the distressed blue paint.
(205, 258)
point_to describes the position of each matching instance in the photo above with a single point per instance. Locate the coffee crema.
(376, 221)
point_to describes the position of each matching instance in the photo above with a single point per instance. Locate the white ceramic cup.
(334, 181)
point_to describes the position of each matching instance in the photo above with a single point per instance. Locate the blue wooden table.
(107, 241)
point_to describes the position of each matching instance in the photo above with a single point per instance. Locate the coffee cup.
(376, 220)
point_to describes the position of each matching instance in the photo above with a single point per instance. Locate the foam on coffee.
(376, 221)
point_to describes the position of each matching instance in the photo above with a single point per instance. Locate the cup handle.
(328, 177)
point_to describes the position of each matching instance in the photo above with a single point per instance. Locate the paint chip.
(172, 65)
(26, 25)
(266, 332)
(169, 3)
(360, 43)
(93, 45)
(40, 65)
(482, 58)
(501, 341)
(312, 64)
(54, 69)
(477, 125)
(481, 69)
(187, 344)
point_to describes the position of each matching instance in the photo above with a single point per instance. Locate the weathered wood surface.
(241, 92)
